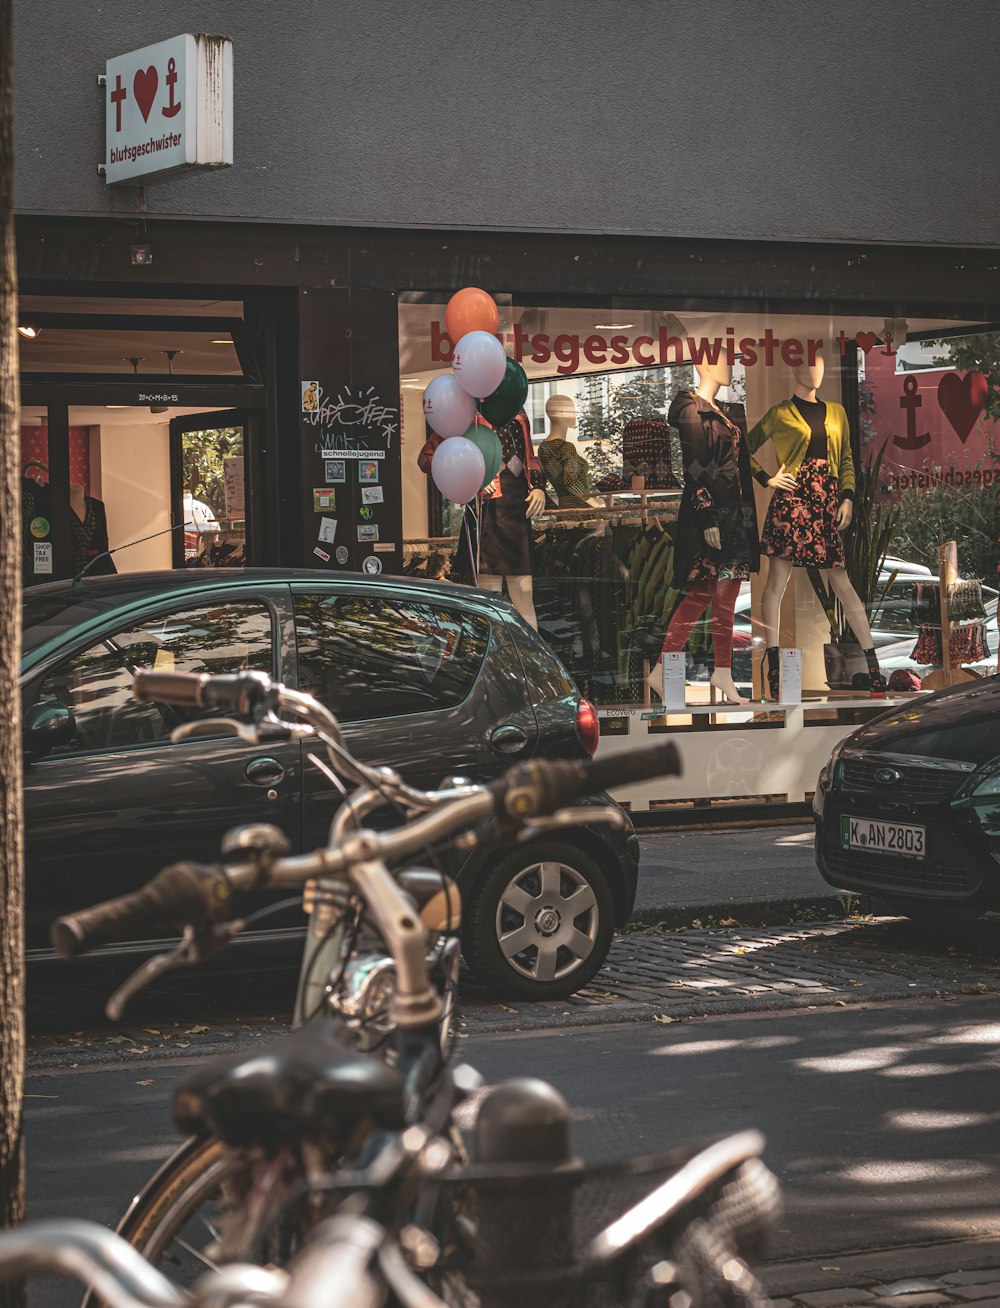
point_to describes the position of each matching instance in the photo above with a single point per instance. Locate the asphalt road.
(695, 868)
(881, 1121)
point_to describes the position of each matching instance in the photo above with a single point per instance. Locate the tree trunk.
(11, 831)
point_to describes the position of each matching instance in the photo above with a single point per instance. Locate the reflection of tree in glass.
(97, 684)
(367, 657)
(976, 354)
(202, 460)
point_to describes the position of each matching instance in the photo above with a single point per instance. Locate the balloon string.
(473, 550)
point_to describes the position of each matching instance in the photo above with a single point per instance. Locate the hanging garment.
(568, 472)
(646, 453)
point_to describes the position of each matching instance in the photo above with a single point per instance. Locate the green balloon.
(488, 443)
(507, 400)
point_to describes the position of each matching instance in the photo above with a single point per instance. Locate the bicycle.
(346, 972)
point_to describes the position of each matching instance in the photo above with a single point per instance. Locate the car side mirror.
(47, 726)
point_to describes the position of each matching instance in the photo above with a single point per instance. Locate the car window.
(96, 685)
(374, 656)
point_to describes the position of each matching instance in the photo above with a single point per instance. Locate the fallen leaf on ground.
(840, 1003)
(138, 1049)
(183, 1044)
(728, 922)
(119, 1040)
(41, 1096)
(144, 1082)
(196, 1030)
(663, 1017)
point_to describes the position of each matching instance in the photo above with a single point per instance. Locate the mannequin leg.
(854, 610)
(490, 581)
(857, 620)
(521, 594)
(778, 572)
(723, 611)
(686, 614)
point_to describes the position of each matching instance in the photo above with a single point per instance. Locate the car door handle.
(509, 739)
(264, 771)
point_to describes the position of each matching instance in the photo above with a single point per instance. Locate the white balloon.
(458, 469)
(480, 364)
(449, 409)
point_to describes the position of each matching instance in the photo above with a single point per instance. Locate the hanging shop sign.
(169, 109)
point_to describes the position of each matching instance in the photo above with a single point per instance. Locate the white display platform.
(757, 753)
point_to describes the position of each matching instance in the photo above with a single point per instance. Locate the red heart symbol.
(867, 341)
(962, 400)
(144, 87)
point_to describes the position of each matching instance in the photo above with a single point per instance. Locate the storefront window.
(727, 483)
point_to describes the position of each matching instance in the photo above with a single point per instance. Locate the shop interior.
(599, 599)
(135, 434)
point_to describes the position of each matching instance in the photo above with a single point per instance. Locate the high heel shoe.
(722, 681)
(876, 681)
(772, 672)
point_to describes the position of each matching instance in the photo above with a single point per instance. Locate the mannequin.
(509, 503)
(812, 504)
(563, 464)
(715, 545)
(515, 498)
(88, 530)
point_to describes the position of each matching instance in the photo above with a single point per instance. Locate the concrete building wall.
(777, 121)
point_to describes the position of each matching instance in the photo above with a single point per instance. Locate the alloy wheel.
(547, 921)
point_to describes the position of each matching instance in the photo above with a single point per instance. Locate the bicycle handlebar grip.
(183, 893)
(182, 689)
(659, 760)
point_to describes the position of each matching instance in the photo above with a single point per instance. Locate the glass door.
(210, 489)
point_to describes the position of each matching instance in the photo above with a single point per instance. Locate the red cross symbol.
(117, 96)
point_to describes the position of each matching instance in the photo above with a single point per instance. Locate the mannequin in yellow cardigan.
(812, 504)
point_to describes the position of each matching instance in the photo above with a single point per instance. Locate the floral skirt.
(801, 525)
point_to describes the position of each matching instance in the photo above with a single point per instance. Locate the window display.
(732, 481)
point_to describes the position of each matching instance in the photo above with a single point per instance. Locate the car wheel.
(539, 924)
(930, 913)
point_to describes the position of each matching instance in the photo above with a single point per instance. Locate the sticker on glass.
(372, 495)
(328, 530)
(39, 527)
(310, 396)
(335, 471)
(368, 531)
(321, 554)
(367, 472)
(372, 564)
(323, 498)
(342, 554)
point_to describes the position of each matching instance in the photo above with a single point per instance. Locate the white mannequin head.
(712, 377)
(809, 376)
(561, 410)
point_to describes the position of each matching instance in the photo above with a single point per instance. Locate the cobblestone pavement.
(678, 974)
(893, 1278)
(650, 975)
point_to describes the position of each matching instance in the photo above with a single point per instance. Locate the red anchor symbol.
(172, 109)
(911, 402)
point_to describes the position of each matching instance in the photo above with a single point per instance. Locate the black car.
(909, 806)
(433, 679)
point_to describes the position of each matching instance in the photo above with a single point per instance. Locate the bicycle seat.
(314, 1082)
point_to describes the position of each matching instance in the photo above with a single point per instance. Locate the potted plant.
(866, 546)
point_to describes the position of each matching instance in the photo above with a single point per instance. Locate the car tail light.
(588, 728)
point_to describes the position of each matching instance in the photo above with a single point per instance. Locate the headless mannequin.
(808, 379)
(520, 588)
(720, 594)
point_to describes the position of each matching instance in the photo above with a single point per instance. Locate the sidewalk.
(894, 1278)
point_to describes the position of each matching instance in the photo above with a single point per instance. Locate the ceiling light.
(613, 326)
(226, 341)
(117, 406)
(29, 332)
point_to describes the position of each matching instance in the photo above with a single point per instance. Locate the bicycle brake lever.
(574, 817)
(195, 946)
(251, 733)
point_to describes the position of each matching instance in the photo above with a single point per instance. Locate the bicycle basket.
(607, 1235)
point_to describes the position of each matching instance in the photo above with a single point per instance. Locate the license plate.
(894, 838)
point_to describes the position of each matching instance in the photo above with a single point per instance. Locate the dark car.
(432, 679)
(909, 806)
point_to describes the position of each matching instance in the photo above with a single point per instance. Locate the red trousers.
(722, 597)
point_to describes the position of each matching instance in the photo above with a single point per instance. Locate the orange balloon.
(471, 310)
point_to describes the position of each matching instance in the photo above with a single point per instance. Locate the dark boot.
(875, 678)
(772, 672)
